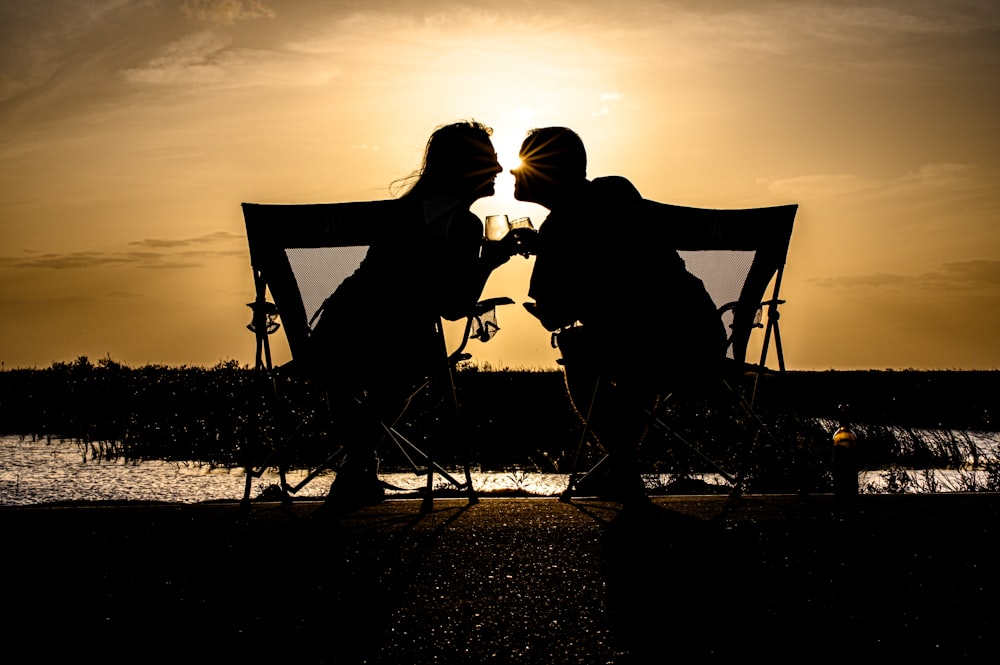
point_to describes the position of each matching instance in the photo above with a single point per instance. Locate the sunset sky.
(131, 130)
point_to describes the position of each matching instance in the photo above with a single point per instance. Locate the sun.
(508, 144)
(509, 131)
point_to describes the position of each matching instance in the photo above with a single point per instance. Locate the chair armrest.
(490, 303)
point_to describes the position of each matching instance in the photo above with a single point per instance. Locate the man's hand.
(549, 321)
(524, 241)
(495, 253)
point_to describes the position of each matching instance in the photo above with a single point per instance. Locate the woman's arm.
(468, 262)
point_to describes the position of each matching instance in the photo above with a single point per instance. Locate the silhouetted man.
(632, 322)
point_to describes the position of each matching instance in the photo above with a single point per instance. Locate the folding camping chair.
(737, 254)
(300, 254)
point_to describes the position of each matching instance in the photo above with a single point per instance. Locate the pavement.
(507, 580)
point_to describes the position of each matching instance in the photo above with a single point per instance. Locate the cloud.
(205, 59)
(41, 42)
(609, 101)
(186, 242)
(196, 58)
(977, 274)
(125, 295)
(206, 249)
(938, 182)
(916, 41)
(63, 261)
(930, 191)
(226, 11)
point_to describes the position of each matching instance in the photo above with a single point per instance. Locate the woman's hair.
(555, 151)
(453, 152)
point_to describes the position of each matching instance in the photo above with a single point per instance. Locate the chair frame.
(271, 230)
(765, 231)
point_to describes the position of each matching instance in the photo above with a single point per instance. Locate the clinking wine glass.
(497, 226)
(521, 227)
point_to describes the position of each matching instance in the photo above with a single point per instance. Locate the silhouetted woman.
(377, 337)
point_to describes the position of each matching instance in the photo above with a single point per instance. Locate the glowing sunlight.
(124, 160)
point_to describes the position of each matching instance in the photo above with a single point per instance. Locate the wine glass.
(497, 227)
(522, 228)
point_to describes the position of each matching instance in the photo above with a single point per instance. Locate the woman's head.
(459, 161)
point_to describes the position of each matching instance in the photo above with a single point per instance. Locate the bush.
(229, 415)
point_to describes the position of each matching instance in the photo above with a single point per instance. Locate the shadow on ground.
(506, 580)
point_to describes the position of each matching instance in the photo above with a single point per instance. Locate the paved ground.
(507, 581)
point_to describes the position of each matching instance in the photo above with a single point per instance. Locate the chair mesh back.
(302, 252)
(724, 272)
(318, 271)
(736, 254)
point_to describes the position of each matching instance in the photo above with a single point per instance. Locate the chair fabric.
(737, 254)
(303, 251)
(300, 254)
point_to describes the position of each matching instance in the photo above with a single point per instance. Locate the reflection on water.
(33, 472)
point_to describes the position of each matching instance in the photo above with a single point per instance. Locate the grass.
(520, 421)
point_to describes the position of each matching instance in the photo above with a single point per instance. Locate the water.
(977, 448)
(36, 471)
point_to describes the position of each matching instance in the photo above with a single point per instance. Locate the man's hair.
(556, 151)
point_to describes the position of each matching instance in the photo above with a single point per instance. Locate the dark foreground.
(507, 581)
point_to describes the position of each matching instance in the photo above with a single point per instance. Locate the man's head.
(552, 159)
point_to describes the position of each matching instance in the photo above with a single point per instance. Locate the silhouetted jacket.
(385, 314)
(596, 264)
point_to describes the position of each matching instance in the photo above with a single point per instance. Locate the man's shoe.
(350, 492)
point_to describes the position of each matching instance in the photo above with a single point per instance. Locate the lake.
(37, 472)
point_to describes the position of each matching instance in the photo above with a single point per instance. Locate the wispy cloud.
(125, 295)
(891, 38)
(203, 250)
(226, 11)
(934, 177)
(206, 59)
(609, 101)
(928, 195)
(978, 274)
(187, 242)
(40, 40)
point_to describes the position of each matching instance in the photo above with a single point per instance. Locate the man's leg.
(620, 421)
(613, 410)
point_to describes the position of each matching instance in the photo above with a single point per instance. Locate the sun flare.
(507, 143)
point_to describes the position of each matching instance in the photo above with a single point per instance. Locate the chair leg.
(575, 481)
(473, 497)
(663, 427)
(567, 494)
(427, 505)
(419, 461)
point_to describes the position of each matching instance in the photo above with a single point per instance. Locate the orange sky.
(130, 131)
